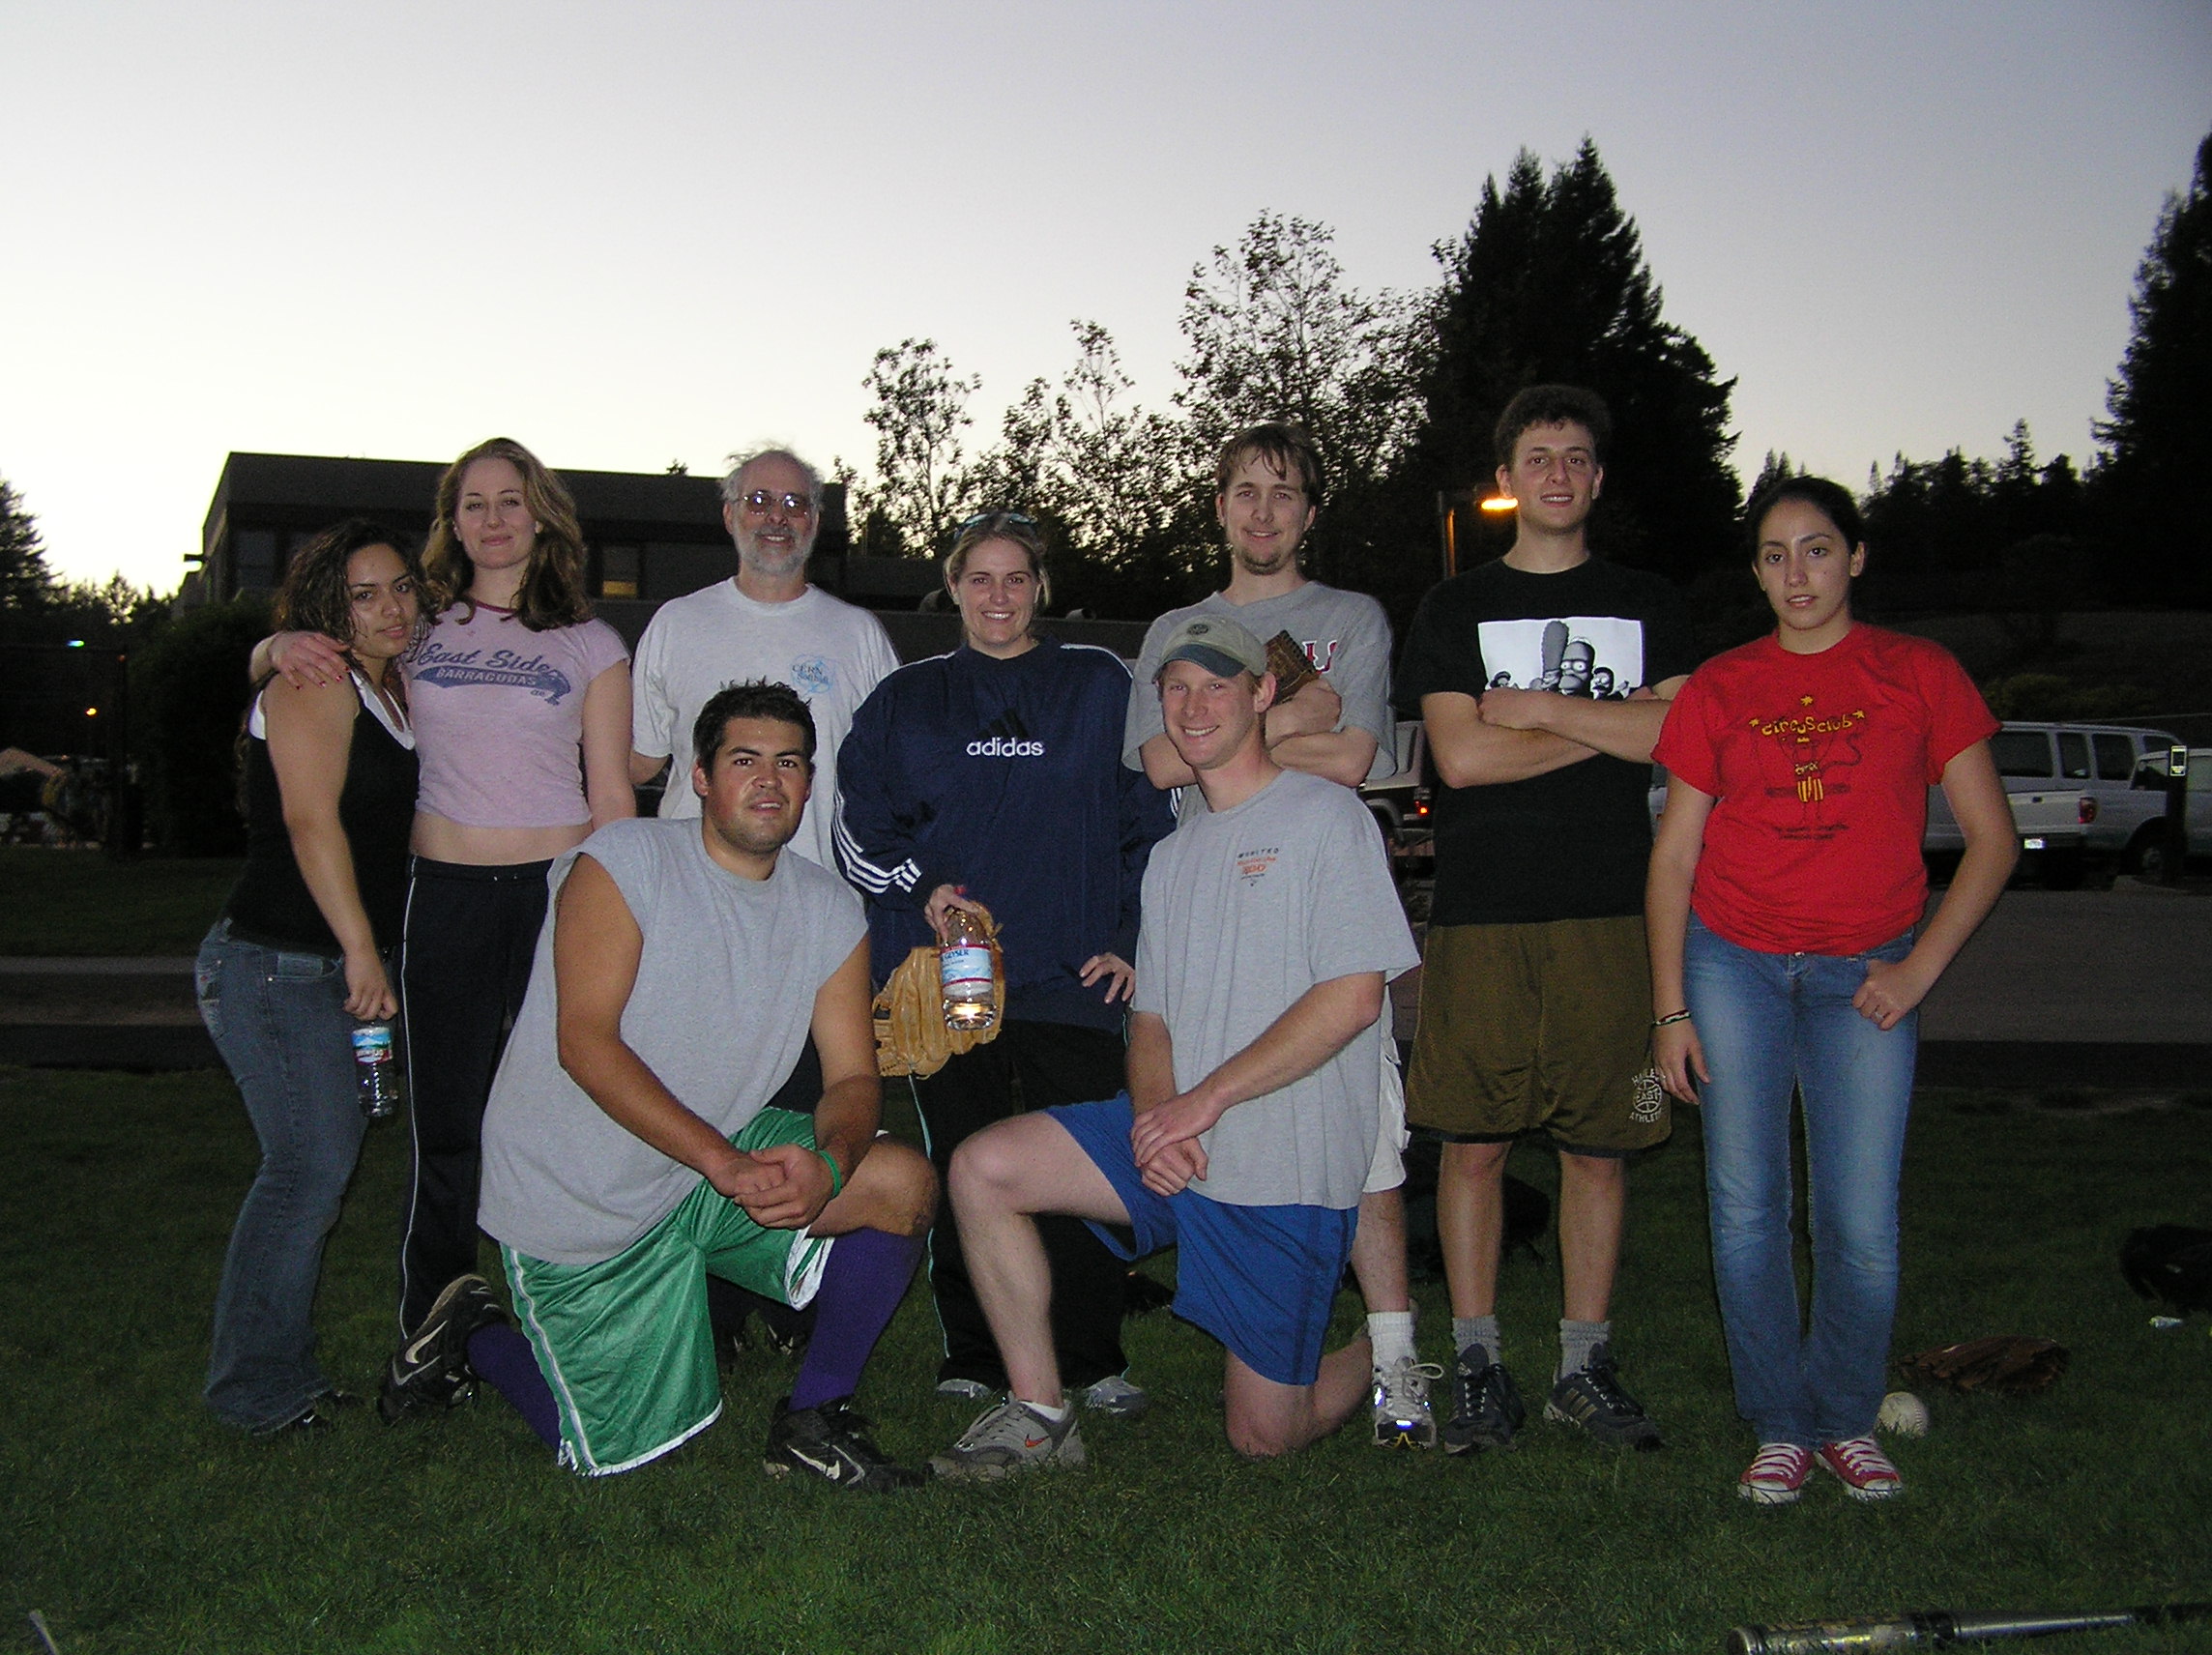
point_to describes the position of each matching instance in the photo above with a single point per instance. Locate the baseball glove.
(910, 1033)
(1287, 661)
(2011, 1364)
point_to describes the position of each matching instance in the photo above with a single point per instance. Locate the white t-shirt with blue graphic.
(831, 652)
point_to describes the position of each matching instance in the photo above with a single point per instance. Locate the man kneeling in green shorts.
(628, 1152)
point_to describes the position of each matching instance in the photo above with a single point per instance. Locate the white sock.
(1391, 1333)
(1053, 1415)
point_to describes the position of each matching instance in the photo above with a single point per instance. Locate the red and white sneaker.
(1864, 1470)
(1777, 1475)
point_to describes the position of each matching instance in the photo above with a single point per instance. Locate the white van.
(2101, 759)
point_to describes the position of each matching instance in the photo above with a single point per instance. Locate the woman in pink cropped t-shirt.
(521, 703)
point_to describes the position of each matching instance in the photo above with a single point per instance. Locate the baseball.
(1904, 1414)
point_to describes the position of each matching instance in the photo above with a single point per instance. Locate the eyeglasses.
(795, 504)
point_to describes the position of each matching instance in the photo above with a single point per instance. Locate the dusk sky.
(633, 234)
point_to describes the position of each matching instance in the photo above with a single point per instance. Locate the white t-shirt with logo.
(831, 652)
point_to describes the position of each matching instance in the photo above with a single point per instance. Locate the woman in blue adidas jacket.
(993, 775)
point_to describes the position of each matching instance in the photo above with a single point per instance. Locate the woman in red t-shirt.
(1787, 953)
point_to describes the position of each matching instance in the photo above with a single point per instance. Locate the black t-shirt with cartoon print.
(1571, 843)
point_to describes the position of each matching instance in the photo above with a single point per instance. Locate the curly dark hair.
(315, 597)
(552, 590)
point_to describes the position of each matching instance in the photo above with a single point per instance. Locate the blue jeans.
(278, 1018)
(1767, 1021)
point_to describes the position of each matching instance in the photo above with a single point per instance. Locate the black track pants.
(470, 937)
(1029, 1065)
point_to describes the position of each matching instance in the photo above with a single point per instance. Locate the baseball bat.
(1941, 1629)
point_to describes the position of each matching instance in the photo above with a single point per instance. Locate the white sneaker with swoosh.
(1012, 1437)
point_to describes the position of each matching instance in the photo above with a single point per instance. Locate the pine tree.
(2159, 438)
(26, 584)
(1549, 285)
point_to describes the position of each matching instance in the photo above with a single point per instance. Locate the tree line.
(1548, 282)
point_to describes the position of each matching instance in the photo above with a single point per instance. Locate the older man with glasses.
(765, 622)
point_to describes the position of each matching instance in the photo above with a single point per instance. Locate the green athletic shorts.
(1543, 1027)
(624, 1343)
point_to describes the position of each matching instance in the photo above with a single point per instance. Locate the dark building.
(649, 537)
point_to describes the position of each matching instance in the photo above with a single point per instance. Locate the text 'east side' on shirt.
(1575, 842)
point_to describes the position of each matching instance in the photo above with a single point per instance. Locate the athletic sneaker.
(831, 1442)
(1593, 1399)
(431, 1368)
(1775, 1474)
(1486, 1405)
(1011, 1438)
(964, 1390)
(1403, 1417)
(1113, 1396)
(1865, 1471)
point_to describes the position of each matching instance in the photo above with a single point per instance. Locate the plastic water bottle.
(964, 966)
(376, 1069)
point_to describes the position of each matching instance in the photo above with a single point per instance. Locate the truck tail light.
(2088, 808)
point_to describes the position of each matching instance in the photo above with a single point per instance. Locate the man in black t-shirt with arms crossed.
(1535, 997)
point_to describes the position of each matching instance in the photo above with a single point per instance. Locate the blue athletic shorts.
(1260, 1279)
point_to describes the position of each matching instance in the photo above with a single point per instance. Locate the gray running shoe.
(832, 1442)
(1116, 1397)
(1403, 1417)
(964, 1390)
(1011, 1438)
(1487, 1409)
(1595, 1399)
(431, 1368)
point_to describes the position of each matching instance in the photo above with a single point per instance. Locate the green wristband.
(836, 1177)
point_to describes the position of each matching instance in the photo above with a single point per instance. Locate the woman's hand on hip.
(1892, 988)
(1119, 975)
(1678, 1054)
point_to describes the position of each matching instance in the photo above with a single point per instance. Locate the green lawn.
(134, 1523)
(79, 901)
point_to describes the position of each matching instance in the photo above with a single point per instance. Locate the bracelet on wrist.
(1670, 1017)
(836, 1177)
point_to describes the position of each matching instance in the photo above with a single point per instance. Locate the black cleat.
(431, 1368)
(831, 1443)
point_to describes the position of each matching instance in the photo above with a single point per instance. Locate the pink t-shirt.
(499, 716)
(1819, 766)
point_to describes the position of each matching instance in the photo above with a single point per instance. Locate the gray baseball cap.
(1217, 644)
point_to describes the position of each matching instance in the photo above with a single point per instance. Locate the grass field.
(134, 1523)
(79, 901)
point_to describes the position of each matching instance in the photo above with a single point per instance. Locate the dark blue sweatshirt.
(1004, 776)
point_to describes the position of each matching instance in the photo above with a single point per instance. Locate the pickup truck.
(2054, 827)
(2147, 852)
(2104, 761)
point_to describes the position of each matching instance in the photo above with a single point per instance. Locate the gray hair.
(739, 464)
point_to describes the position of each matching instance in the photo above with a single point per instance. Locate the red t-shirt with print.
(1819, 766)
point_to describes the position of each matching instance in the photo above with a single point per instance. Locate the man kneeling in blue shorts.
(628, 1149)
(1271, 925)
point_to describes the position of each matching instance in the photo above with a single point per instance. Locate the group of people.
(643, 1055)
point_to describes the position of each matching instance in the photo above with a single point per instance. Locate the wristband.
(836, 1177)
(1670, 1017)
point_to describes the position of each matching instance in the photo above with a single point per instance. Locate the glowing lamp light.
(1496, 503)
(92, 713)
(76, 643)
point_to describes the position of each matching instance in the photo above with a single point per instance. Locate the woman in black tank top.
(300, 954)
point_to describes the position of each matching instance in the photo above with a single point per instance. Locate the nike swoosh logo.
(1035, 1442)
(833, 1469)
(413, 1352)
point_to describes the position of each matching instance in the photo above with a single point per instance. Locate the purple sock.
(861, 1287)
(502, 1356)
